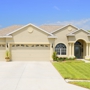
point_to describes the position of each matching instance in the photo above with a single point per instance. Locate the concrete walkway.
(32, 76)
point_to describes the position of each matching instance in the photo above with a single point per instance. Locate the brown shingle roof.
(48, 28)
(7, 30)
(51, 28)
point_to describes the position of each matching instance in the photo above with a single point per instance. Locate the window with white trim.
(60, 49)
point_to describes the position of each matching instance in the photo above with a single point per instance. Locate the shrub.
(54, 56)
(57, 58)
(60, 58)
(7, 55)
(71, 58)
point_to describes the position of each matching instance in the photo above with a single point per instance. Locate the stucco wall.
(29, 34)
(2, 40)
(62, 36)
(79, 35)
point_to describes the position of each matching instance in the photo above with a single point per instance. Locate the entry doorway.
(79, 49)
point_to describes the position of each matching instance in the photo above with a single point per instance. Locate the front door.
(78, 51)
(78, 48)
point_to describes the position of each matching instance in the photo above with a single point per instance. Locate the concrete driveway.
(32, 76)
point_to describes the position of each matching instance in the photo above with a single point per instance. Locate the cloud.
(55, 7)
(84, 23)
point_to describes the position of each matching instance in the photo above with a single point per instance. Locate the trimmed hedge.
(56, 58)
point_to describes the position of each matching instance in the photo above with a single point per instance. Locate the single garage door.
(2, 52)
(30, 52)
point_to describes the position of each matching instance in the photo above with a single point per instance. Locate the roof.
(62, 28)
(51, 28)
(5, 31)
(26, 26)
(73, 32)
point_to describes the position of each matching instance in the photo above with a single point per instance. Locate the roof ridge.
(51, 25)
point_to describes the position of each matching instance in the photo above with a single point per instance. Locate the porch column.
(73, 50)
(89, 49)
(70, 50)
(86, 49)
(51, 51)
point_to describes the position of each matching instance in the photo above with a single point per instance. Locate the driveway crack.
(20, 77)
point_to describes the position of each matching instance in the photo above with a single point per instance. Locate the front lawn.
(83, 84)
(77, 70)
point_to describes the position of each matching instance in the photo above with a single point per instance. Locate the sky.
(44, 12)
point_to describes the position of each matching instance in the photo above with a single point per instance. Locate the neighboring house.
(30, 42)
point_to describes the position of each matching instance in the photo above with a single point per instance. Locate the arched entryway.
(79, 49)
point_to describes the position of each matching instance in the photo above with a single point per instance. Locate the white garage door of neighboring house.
(30, 52)
(2, 52)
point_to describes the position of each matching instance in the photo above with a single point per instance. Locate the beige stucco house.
(30, 42)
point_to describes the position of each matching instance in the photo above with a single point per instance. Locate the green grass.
(77, 70)
(82, 84)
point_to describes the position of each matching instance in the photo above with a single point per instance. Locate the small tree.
(54, 56)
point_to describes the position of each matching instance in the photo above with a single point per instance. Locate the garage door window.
(2, 45)
(17, 45)
(37, 45)
(22, 45)
(27, 45)
(13, 45)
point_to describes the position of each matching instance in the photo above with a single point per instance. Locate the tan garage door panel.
(30, 52)
(2, 52)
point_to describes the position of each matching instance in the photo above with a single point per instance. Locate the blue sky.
(39, 12)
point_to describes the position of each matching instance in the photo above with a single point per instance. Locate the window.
(60, 49)
(42, 45)
(37, 45)
(32, 46)
(46, 45)
(22, 45)
(17, 45)
(13, 45)
(27, 45)
(3, 45)
(78, 43)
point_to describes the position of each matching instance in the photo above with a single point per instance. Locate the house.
(30, 42)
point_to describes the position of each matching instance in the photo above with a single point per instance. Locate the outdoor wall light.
(52, 45)
(7, 45)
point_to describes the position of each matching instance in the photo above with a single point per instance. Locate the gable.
(81, 34)
(69, 28)
(27, 26)
(79, 30)
(29, 34)
(62, 34)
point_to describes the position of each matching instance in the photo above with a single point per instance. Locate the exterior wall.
(2, 49)
(30, 35)
(82, 35)
(79, 35)
(62, 38)
(2, 40)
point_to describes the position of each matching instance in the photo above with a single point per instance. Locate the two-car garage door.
(30, 52)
